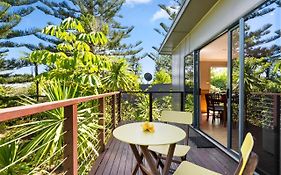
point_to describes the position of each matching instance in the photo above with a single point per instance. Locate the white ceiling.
(215, 51)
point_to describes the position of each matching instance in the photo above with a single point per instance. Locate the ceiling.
(215, 51)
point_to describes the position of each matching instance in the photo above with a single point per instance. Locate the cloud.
(137, 1)
(160, 14)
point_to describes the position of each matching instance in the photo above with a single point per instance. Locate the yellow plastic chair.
(180, 118)
(245, 164)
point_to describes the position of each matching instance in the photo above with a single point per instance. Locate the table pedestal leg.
(169, 159)
(149, 159)
(139, 159)
(137, 166)
(158, 158)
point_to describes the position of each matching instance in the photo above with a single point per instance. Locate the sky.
(144, 15)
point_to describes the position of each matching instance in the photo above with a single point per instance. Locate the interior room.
(213, 72)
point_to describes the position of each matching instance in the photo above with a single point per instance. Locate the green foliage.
(43, 138)
(2, 91)
(76, 61)
(105, 11)
(138, 105)
(189, 103)
(258, 77)
(7, 21)
(18, 78)
(10, 159)
(118, 77)
(219, 80)
(161, 61)
(162, 77)
(11, 17)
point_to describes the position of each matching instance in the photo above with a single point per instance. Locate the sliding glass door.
(263, 83)
(251, 54)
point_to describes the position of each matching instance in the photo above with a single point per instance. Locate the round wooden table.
(164, 134)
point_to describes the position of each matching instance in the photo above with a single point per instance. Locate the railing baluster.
(119, 107)
(113, 111)
(150, 107)
(101, 123)
(70, 139)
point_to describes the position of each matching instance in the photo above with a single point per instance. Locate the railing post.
(182, 101)
(119, 107)
(101, 123)
(113, 111)
(70, 139)
(150, 107)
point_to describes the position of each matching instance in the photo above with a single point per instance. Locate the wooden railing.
(70, 165)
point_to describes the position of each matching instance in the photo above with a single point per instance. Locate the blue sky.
(144, 15)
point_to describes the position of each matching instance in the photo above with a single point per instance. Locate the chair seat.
(180, 150)
(216, 108)
(219, 108)
(187, 168)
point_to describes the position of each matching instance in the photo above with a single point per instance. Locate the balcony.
(77, 154)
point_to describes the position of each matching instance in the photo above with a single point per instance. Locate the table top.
(164, 134)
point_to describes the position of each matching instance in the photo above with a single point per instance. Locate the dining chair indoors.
(214, 105)
(181, 150)
(246, 166)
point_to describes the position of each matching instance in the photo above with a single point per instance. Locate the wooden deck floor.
(118, 159)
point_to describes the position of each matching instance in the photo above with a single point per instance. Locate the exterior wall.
(222, 15)
(177, 78)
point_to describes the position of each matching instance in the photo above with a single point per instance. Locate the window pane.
(263, 85)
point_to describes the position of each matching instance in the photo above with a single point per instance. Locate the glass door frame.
(197, 90)
(229, 88)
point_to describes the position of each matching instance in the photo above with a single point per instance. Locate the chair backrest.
(251, 164)
(246, 150)
(209, 100)
(177, 117)
(216, 98)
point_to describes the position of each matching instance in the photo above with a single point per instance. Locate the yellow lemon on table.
(148, 127)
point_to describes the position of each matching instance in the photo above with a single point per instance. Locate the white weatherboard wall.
(223, 14)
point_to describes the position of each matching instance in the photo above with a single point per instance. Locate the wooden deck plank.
(122, 165)
(111, 162)
(106, 157)
(100, 158)
(118, 159)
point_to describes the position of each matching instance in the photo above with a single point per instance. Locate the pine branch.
(21, 33)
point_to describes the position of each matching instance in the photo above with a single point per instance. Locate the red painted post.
(70, 139)
(113, 111)
(101, 123)
(119, 107)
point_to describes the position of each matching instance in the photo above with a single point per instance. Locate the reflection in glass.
(263, 84)
(235, 89)
(189, 82)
